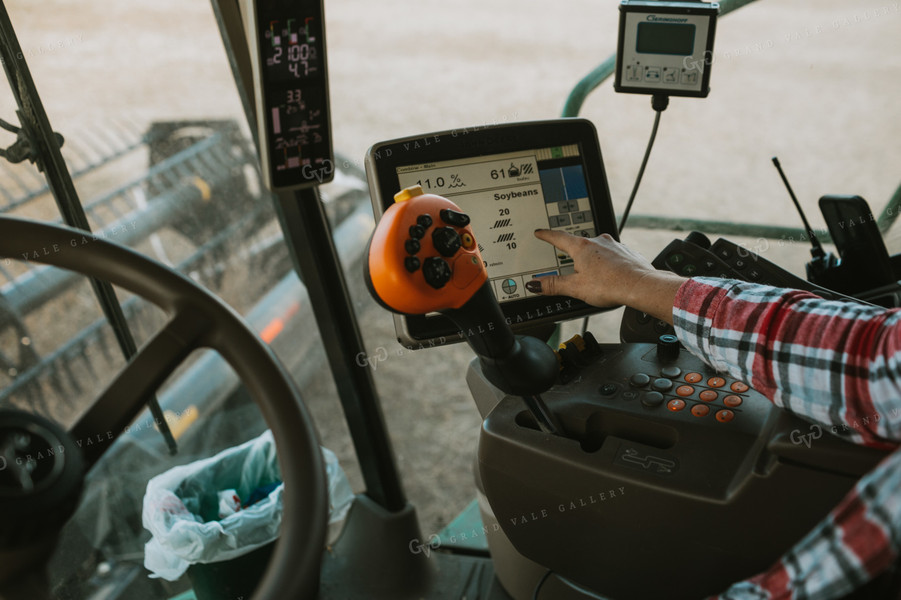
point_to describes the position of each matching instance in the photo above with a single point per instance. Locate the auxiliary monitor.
(511, 180)
(287, 46)
(665, 47)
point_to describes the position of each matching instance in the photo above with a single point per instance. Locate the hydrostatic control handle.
(423, 257)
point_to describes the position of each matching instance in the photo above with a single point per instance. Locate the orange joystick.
(423, 256)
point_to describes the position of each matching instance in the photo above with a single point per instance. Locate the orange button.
(724, 416)
(732, 401)
(716, 382)
(675, 405)
(700, 410)
(685, 390)
(707, 395)
(740, 387)
(693, 377)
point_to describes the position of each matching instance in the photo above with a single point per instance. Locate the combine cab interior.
(264, 324)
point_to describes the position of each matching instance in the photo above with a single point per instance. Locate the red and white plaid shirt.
(837, 364)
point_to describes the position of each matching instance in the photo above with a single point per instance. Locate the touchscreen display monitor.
(511, 180)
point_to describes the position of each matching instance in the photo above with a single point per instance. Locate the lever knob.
(417, 249)
(698, 239)
(667, 348)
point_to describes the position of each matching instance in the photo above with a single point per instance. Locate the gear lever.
(423, 257)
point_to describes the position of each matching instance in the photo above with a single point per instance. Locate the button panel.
(699, 393)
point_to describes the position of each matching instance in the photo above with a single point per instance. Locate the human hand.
(608, 273)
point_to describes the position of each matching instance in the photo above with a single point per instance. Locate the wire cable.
(659, 102)
(540, 583)
(585, 592)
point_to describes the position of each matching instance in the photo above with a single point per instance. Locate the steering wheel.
(198, 319)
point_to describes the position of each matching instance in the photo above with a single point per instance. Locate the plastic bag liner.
(181, 507)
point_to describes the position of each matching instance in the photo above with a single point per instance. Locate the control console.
(696, 256)
(661, 462)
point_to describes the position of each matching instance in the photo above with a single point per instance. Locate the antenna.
(817, 250)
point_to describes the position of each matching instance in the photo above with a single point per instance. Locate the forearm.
(834, 362)
(654, 293)
(855, 543)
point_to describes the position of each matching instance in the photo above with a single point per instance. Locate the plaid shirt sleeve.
(834, 363)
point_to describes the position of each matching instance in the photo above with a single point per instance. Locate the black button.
(662, 385)
(725, 253)
(452, 217)
(754, 275)
(671, 372)
(412, 246)
(608, 389)
(740, 264)
(689, 270)
(643, 318)
(412, 263)
(417, 231)
(640, 379)
(424, 220)
(446, 240)
(436, 272)
(709, 265)
(675, 259)
(652, 399)
(630, 395)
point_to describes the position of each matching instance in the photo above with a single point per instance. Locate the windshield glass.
(157, 143)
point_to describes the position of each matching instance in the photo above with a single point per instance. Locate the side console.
(663, 466)
(695, 256)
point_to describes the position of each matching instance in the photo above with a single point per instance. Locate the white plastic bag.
(176, 502)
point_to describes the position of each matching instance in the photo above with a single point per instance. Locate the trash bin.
(225, 556)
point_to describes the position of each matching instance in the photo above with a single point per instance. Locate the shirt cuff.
(694, 310)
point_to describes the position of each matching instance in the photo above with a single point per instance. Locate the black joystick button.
(412, 246)
(452, 217)
(411, 263)
(667, 348)
(436, 272)
(424, 220)
(446, 241)
(417, 231)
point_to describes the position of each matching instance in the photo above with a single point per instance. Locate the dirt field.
(815, 83)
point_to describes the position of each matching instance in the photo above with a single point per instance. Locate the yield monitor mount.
(665, 48)
(287, 46)
(511, 180)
